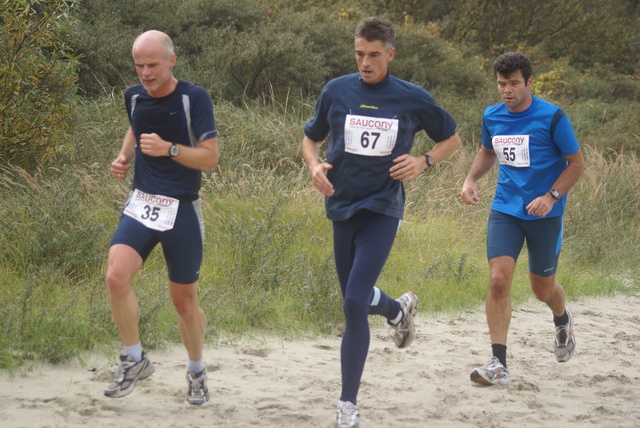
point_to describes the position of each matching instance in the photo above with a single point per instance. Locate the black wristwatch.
(429, 160)
(554, 194)
(173, 151)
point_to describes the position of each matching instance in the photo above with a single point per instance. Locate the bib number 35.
(154, 211)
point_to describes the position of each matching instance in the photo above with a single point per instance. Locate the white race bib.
(154, 211)
(370, 136)
(512, 150)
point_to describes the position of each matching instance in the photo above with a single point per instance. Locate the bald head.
(153, 39)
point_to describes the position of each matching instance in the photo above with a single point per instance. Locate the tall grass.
(268, 253)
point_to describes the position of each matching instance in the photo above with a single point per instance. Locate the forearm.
(204, 157)
(445, 148)
(571, 173)
(483, 162)
(128, 149)
(310, 152)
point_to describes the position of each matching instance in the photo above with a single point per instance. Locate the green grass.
(268, 262)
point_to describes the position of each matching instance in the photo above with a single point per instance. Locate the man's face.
(372, 59)
(515, 92)
(154, 67)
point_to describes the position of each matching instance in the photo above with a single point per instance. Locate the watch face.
(174, 150)
(555, 194)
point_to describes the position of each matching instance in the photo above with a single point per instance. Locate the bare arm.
(483, 162)
(541, 206)
(123, 162)
(205, 156)
(311, 153)
(408, 167)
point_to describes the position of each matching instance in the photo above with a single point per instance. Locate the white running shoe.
(198, 393)
(347, 415)
(492, 373)
(565, 343)
(128, 373)
(406, 329)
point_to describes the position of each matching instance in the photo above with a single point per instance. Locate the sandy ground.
(269, 382)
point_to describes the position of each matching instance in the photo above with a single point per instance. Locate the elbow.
(211, 164)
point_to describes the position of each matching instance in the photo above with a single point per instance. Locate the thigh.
(372, 244)
(183, 245)
(505, 236)
(136, 235)
(343, 250)
(544, 242)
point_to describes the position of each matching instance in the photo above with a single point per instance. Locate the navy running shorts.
(182, 246)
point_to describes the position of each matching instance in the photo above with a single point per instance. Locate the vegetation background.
(268, 258)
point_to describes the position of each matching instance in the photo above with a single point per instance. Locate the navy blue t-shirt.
(183, 117)
(380, 122)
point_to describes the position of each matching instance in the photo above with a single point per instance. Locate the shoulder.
(545, 107)
(134, 90)
(189, 88)
(342, 82)
(494, 109)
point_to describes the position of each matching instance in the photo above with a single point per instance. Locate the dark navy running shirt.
(183, 117)
(362, 181)
(518, 185)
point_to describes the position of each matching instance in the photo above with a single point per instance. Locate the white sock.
(135, 351)
(398, 318)
(195, 366)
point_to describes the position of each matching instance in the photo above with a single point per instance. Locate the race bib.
(154, 211)
(512, 150)
(370, 136)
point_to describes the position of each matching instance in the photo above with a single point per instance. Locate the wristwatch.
(173, 151)
(554, 194)
(429, 160)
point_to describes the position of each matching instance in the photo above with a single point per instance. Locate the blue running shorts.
(506, 235)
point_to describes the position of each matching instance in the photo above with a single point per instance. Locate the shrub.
(37, 78)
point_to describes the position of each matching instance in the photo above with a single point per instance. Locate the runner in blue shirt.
(371, 119)
(171, 137)
(539, 161)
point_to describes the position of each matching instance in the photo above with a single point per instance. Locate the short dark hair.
(373, 28)
(510, 62)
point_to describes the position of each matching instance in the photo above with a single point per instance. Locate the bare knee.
(543, 287)
(499, 285)
(185, 300)
(122, 265)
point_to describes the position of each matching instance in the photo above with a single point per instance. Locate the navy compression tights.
(361, 245)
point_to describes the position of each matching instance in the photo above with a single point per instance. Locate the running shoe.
(128, 373)
(198, 393)
(406, 329)
(492, 373)
(565, 343)
(348, 415)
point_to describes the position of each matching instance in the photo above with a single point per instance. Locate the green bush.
(37, 80)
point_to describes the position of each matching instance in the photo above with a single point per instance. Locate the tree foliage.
(587, 32)
(37, 79)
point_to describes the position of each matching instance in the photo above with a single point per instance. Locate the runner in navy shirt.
(539, 161)
(171, 137)
(371, 119)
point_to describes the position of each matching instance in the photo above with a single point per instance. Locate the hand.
(470, 194)
(406, 168)
(320, 180)
(153, 145)
(119, 168)
(541, 206)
